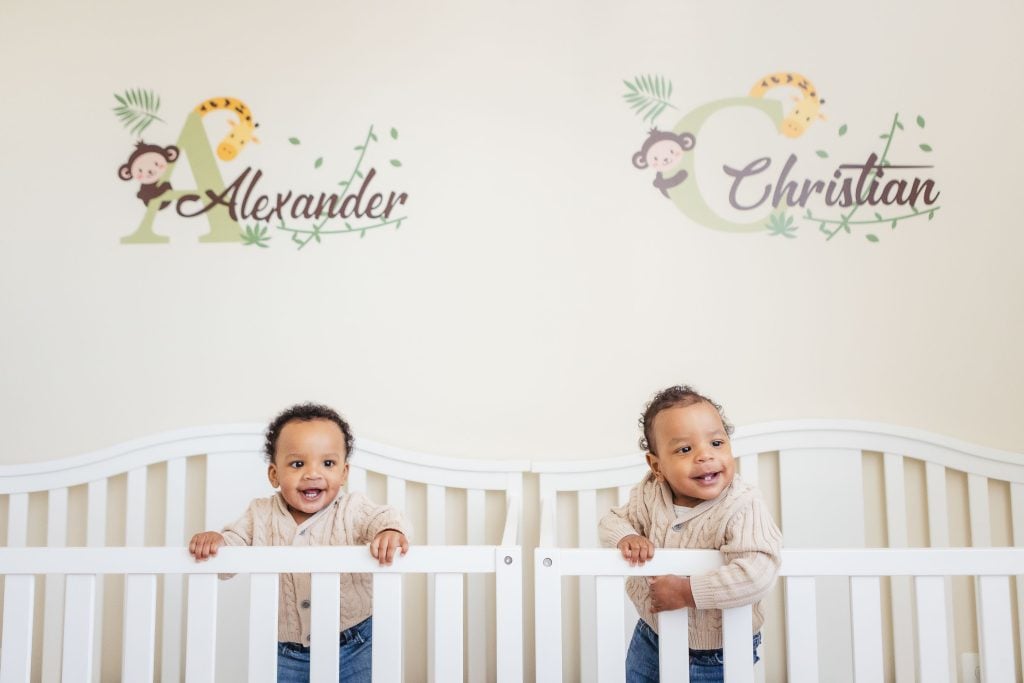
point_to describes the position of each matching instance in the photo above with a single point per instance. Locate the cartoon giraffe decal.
(807, 108)
(242, 131)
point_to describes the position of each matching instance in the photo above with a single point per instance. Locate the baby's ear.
(272, 475)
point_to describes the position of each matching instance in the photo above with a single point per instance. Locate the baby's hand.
(636, 549)
(204, 545)
(670, 592)
(385, 544)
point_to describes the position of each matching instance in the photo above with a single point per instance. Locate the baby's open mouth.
(708, 478)
(311, 494)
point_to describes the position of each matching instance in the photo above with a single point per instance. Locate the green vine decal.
(781, 224)
(255, 235)
(649, 96)
(137, 109)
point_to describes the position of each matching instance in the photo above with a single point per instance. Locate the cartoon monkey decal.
(662, 151)
(146, 164)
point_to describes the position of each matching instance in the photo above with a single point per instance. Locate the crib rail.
(992, 567)
(142, 566)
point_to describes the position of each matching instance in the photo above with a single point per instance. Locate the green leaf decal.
(318, 163)
(137, 109)
(396, 163)
(822, 153)
(294, 141)
(884, 136)
(925, 148)
(920, 121)
(871, 238)
(394, 133)
(648, 96)
(842, 130)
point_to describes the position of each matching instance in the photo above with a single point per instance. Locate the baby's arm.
(382, 526)
(624, 527)
(384, 545)
(204, 545)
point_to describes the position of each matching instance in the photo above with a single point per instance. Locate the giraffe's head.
(240, 134)
(806, 111)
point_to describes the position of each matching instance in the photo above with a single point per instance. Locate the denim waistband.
(716, 652)
(345, 637)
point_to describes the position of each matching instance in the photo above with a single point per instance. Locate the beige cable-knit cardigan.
(736, 523)
(352, 519)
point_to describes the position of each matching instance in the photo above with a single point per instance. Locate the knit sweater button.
(305, 603)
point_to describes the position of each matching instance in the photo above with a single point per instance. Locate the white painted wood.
(324, 627)
(396, 492)
(201, 636)
(447, 627)
(586, 504)
(623, 494)
(674, 645)
(79, 605)
(135, 510)
(173, 585)
(547, 589)
(737, 644)
(263, 589)
(749, 469)
(901, 588)
(387, 628)
(17, 520)
(995, 629)
(932, 643)
(548, 511)
(435, 514)
(801, 630)
(938, 519)
(356, 479)
(866, 610)
(16, 637)
(476, 601)
(977, 497)
(1017, 516)
(508, 588)
(138, 650)
(96, 537)
(609, 613)
(53, 607)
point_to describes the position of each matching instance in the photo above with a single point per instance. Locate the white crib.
(832, 484)
(158, 491)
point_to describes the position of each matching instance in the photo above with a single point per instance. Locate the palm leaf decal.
(137, 109)
(648, 96)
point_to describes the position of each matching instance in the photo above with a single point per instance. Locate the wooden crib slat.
(508, 588)
(135, 510)
(995, 626)
(201, 636)
(17, 520)
(938, 536)
(173, 584)
(324, 627)
(356, 479)
(138, 649)
(902, 611)
(977, 497)
(16, 638)
(96, 537)
(609, 613)
(476, 602)
(387, 628)
(586, 506)
(932, 642)
(79, 605)
(447, 627)
(263, 628)
(866, 611)
(435, 514)
(737, 644)
(396, 492)
(749, 470)
(801, 630)
(674, 655)
(56, 537)
(623, 494)
(1017, 516)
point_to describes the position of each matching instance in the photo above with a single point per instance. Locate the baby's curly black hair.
(304, 412)
(680, 395)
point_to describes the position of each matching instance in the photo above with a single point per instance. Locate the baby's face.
(692, 453)
(309, 466)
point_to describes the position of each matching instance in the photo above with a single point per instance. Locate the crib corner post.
(508, 589)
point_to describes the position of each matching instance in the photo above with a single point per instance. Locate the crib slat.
(263, 628)
(801, 630)
(17, 520)
(356, 479)
(737, 644)
(896, 527)
(609, 612)
(1017, 515)
(586, 505)
(508, 588)
(16, 638)
(447, 627)
(547, 588)
(96, 537)
(995, 627)
(673, 645)
(80, 602)
(866, 610)
(749, 470)
(938, 534)
(932, 642)
(174, 534)
(436, 510)
(396, 492)
(135, 511)
(476, 602)
(56, 537)
(977, 496)
(387, 628)
(138, 655)
(324, 627)
(201, 636)
(623, 493)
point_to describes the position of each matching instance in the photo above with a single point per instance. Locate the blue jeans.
(642, 658)
(354, 648)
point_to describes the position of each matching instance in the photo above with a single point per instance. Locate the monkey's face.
(148, 167)
(664, 154)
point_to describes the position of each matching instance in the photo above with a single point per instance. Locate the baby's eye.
(717, 442)
(329, 463)
(296, 464)
(683, 449)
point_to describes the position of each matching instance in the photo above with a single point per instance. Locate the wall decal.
(779, 201)
(243, 211)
